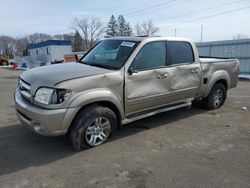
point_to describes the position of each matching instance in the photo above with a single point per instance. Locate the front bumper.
(43, 121)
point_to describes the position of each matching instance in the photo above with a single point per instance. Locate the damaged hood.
(53, 74)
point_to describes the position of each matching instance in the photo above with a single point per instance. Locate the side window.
(152, 55)
(180, 52)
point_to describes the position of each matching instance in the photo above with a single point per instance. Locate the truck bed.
(212, 65)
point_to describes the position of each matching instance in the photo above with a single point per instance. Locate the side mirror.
(131, 71)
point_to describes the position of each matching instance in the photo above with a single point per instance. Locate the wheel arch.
(106, 99)
(103, 103)
(218, 77)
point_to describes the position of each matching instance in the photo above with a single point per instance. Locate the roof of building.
(224, 42)
(49, 43)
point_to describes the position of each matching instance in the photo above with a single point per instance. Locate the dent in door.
(145, 84)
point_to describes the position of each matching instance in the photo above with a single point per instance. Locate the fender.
(88, 97)
(218, 75)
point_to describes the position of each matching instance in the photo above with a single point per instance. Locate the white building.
(50, 51)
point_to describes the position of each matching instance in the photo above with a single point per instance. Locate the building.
(49, 52)
(239, 49)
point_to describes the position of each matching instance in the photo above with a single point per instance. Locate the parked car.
(120, 80)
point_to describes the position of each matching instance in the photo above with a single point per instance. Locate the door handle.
(162, 76)
(195, 71)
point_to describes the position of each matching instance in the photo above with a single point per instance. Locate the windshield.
(110, 54)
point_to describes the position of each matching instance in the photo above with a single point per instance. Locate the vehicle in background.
(120, 80)
(4, 60)
(74, 57)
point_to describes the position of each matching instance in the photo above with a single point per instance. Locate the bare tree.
(21, 46)
(138, 30)
(39, 37)
(146, 28)
(91, 29)
(7, 45)
(58, 37)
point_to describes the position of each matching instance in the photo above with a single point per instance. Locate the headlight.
(51, 96)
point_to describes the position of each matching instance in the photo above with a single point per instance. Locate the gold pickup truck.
(120, 80)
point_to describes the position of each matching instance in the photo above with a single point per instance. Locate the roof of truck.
(141, 38)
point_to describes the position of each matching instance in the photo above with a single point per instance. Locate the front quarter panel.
(92, 89)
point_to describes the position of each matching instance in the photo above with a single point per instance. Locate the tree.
(39, 37)
(146, 28)
(121, 26)
(7, 45)
(138, 29)
(112, 27)
(77, 44)
(58, 37)
(128, 31)
(21, 46)
(91, 29)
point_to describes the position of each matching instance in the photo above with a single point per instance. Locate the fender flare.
(218, 75)
(89, 97)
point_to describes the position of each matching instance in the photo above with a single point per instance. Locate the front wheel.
(92, 126)
(216, 97)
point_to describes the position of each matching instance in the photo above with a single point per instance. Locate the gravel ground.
(182, 148)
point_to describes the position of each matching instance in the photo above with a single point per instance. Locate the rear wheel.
(92, 126)
(216, 97)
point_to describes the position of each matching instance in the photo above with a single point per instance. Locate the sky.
(185, 17)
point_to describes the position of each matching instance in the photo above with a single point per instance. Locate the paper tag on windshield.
(128, 44)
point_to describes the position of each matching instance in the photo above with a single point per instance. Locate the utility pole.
(201, 32)
(175, 32)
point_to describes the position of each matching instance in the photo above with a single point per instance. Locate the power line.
(150, 7)
(226, 12)
(162, 7)
(210, 8)
(178, 3)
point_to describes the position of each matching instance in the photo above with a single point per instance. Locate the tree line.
(87, 32)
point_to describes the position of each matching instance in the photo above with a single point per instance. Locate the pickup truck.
(120, 80)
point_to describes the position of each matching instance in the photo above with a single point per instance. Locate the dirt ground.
(182, 148)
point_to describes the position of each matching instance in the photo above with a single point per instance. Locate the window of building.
(36, 52)
(47, 49)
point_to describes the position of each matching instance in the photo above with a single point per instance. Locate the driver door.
(147, 87)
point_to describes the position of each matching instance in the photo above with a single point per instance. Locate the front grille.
(24, 89)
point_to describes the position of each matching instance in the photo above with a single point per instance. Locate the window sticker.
(128, 44)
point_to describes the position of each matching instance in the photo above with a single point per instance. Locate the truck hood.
(53, 74)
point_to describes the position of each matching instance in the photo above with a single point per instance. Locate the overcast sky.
(21, 17)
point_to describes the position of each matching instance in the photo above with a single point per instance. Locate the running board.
(126, 121)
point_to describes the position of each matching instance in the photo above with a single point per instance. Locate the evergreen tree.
(122, 26)
(128, 31)
(112, 27)
(77, 42)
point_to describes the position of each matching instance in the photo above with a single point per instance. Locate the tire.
(91, 127)
(216, 97)
(4, 63)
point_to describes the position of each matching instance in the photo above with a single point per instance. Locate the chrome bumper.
(43, 121)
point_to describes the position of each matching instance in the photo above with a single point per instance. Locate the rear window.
(180, 52)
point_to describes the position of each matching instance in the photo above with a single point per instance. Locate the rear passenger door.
(185, 74)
